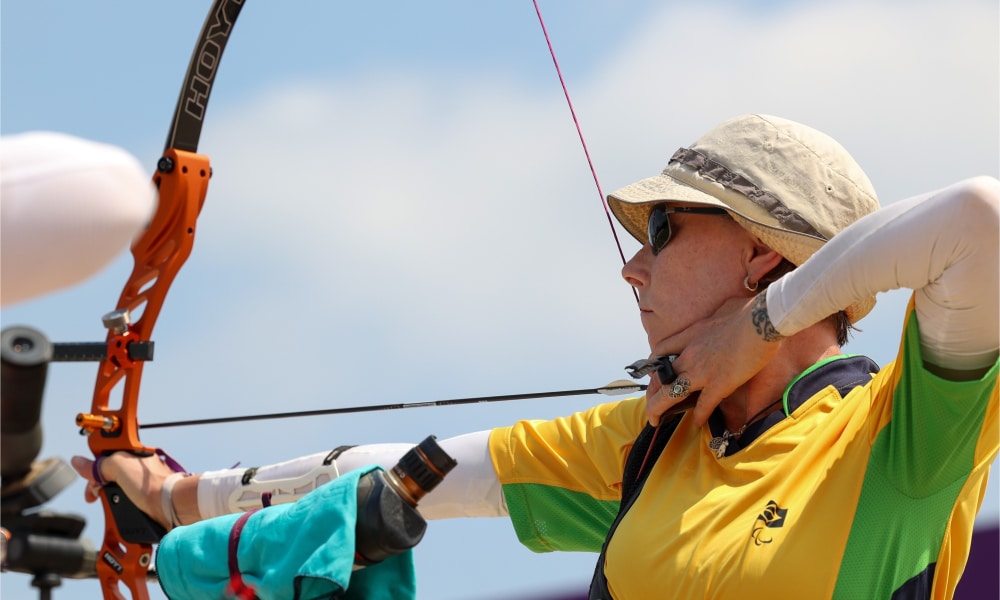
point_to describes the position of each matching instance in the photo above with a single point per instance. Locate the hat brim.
(633, 203)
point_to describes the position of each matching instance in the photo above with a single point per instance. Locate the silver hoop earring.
(746, 284)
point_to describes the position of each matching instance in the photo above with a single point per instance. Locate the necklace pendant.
(719, 444)
(721, 451)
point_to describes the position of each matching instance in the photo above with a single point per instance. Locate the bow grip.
(134, 526)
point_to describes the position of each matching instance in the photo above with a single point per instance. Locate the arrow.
(614, 388)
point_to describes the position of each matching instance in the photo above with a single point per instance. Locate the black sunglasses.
(658, 229)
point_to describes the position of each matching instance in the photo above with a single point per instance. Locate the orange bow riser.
(182, 182)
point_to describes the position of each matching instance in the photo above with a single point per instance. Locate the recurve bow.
(181, 178)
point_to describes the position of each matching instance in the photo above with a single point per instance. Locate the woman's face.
(701, 267)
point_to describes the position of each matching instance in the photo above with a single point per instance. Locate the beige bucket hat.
(790, 185)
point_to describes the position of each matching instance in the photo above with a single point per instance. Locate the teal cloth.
(302, 551)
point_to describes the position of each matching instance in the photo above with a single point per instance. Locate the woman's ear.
(760, 260)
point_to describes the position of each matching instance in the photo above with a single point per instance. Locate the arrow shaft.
(393, 406)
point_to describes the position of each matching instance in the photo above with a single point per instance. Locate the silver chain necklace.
(719, 443)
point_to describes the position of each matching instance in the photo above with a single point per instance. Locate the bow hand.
(132, 487)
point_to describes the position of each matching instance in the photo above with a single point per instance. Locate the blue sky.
(401, 211)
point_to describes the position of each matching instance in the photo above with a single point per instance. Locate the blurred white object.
(68, 207)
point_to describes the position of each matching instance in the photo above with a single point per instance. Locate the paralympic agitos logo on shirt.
(773, 516)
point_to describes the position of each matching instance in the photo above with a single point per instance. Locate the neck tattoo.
(719, 443)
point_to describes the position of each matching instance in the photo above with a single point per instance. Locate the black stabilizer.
(49, 543)
(25, 353)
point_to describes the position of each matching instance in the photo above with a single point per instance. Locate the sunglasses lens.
(658, 228)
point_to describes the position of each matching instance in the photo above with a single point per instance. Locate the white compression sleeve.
(942, 245)
(471, 489)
